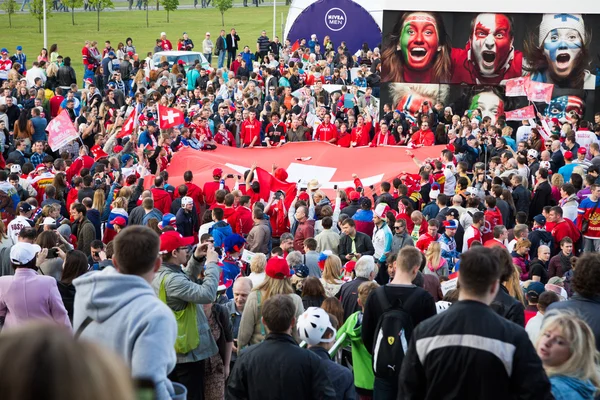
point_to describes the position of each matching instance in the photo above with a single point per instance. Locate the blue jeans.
(384, 389)
(221, 58)
(208, 57)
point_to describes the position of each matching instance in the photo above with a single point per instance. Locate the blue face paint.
(557, 41)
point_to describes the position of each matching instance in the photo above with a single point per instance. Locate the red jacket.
(209, 189)
(162, 200)
(241, 221)
(325, 133)
(278, 218)
(304, 231)
(563, 229)
(249, 131)
(492, 218)
(425, 138)
(361, 135)
(425, 240)
(195, 193)
(78, 164)
(382, 140)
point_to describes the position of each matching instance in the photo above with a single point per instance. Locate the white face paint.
(561, 48)
(490, 105)
(491, 42)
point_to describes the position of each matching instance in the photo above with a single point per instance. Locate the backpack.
(392, 334)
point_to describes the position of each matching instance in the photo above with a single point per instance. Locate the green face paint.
(404, 36)
(474, 103)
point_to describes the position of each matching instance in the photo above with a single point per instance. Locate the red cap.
(277, 268)
(451, 148)
(303, 196)
(119, 221)
(281, 174)
(130, 53)
(582, 150)
(555, 121)
(568, 155)
(172, 240)
(40, 167)
(217, 172)
(180, 62)
(354, 195)
(350, 265)
(118, 148)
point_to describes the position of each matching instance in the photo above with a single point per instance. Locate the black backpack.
(393, 332)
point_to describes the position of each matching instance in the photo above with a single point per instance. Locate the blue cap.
(535, 288)
(451, 224)
(4, 51)
(19, 48)
(167, 220)
(301, 271)
(111, 53)
(233, 243)
(540, 219)
(125, 158)
(151, 123)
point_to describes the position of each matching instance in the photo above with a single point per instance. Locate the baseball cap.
(217, 172)
(471, 137)
(185, 200)
(535, 289)
(151, 123)
(540, 219)
(163, 34)
(452, 224)
(111, 54)
(354, 195)
(172, 240)
(119, 221)
(568, 155)
(167, 219)
(532, 153)
(22, 253)
(454, 213)
(301, 271)
(49, 221)
(381, 210)
(19, 47)
(471, 190)
(556, 280)
(125, 158)
(349, 266)
(233, 243)
(4, 51)
(25, 207)
(277, 268)
(582, 150)
(303, 196)
(15, 169)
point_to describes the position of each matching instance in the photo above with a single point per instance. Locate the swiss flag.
(539, 91)
(268, 184)
(169, 117)
(516, 86)
(520, 114)
(129, 125)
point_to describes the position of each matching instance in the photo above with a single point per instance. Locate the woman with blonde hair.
(556, 181)
(331, 275)
(436, 264)
(567, 348)
(513, 285)
(257, 268)
(98, 202)
(277, 281)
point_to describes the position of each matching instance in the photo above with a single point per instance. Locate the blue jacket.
(569, 388)
(341, 378)
(431, 210)
(219, 232)
(129, 319)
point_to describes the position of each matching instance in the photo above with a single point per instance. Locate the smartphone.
(229, 176)
(335, 187)
(52, 253)
(239, 177)
(372, 187)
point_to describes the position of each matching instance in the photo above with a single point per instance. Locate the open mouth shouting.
(418, 53)
(563, 61)
(488, 58)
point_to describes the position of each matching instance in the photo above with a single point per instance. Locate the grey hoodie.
(129, 319)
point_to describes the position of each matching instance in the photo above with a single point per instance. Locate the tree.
(73, 4)
(169, 5)
(146, 7)
(9, 7)
(222, 6)
(100, 6)
(37, 10)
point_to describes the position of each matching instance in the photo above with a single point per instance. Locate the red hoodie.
(241, 221)
(162, 200)
(210, 188)
(425, 138)
(493, 217)
(78, 164)
(195, 193)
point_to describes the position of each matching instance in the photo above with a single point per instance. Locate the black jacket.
(126, 69)
(508, 307)
(220, 44)
(278, 369)
(230, 47)
(492, 358)
(542, 197)
(66, 76)
(351, 209)
(522, 198)
(363, 243)
(349, 294)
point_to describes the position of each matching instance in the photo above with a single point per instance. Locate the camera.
(52, 253)
(230, 176)
(425, 103)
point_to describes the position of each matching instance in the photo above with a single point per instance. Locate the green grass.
(116, 26)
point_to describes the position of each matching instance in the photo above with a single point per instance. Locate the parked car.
(188, 57)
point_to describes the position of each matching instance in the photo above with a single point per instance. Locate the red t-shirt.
(250, 130)
(325, 133)
(361, 135)
(209, 189)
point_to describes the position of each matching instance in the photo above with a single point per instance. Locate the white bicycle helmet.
(313, 324)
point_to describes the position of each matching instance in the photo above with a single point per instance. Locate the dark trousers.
(190, 375)
(230, 57)
(384, 389)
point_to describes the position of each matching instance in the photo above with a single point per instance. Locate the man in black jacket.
(353, 244)
(257, 373)
(542, 193)
(232, 41)
(521, 195)
(468, 351)
(353, 206)
(364, 270)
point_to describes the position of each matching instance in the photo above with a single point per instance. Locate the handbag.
(188, 337)
(585, 224)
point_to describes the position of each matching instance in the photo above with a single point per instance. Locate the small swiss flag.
(128, 125)
(169, 117)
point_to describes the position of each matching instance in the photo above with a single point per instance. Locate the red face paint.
(419, 41)
(491, 42)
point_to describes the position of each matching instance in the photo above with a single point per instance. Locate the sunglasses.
(398, 227)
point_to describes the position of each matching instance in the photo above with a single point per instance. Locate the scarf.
(440, 265)
(565, 262)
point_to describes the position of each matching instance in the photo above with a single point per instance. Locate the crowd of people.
(476, 277)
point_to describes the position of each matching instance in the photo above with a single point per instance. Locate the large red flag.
(61, 131)
(129, 125)
(520, 114)
(269, 184)
(169, 117)
(539, 91)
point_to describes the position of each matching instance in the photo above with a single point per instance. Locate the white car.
(188, 57)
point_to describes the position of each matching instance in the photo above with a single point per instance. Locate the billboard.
(493, 62)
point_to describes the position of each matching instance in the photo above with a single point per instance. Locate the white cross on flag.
(61, 131)
(169, 117)
(128, 125)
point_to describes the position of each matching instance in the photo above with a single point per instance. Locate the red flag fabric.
(169, 117)
(539, 91)
(330, 164)
(129, 125)
(516, 86)
(295, 46)
(268, 184)
(520, 114)
(61, 131)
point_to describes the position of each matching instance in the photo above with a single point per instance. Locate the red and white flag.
(516, 86)
(128, 125)
(269, 184)
(169, 117)
(520, 114)
(61, 131)
(539, 91)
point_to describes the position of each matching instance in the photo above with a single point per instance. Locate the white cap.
(381, 210)
(545, 164)
(434, 193)
(15, 169)
(474, 121)
(49, 221)
(22, 253)
(532, 153)
(471, 190)
(163, 34)
(207, 33)
(186, 200)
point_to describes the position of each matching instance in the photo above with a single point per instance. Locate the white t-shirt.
(523, 133)
(450, 182)
(15, 226)
(585, 138)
